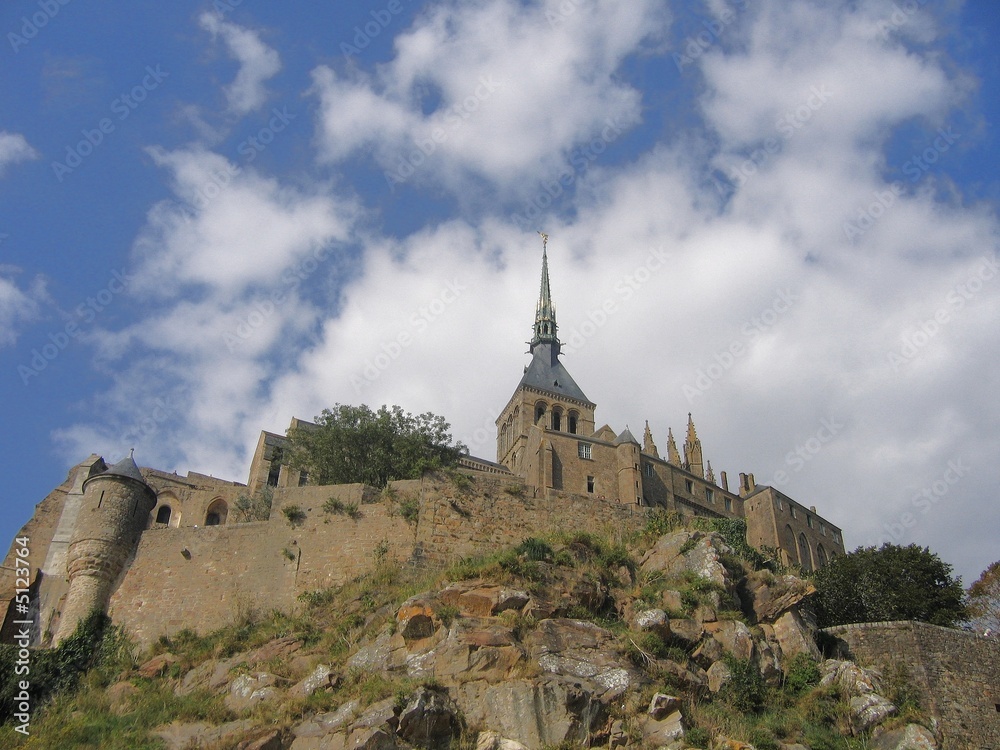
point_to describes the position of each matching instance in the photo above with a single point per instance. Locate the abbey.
(160, 552)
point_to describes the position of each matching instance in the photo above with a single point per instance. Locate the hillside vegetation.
(675, 637)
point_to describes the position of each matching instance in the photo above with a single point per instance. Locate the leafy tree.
(888, 583)
(255, 507)
(984, 600)
(354, 444)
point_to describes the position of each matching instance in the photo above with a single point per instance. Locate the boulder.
(323, 676)
(652, 621)
(687, 632)
(910, 737)
(373, 657)
(718, 676)
(766, 597)
(851, 679)
(483, 600)
(178, 736)
(430, 719)
(658, 733)
(120, 697)
(250, 689)
(493, 741)
(795, 634)
(662, 705)
(415, 619)
(870, 710)
(157, 666)
(533, 713)
(269, 739)
(327, 724)
(734, 637)
(708, 652)
(693, 551)
(372, 738)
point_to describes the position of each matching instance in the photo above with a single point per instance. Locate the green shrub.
(697, 737)
(294, 514)
(409, 509)
(535, 549)
(514, 490)
(745, 691)
(803, 673)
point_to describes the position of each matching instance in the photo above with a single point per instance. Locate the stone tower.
(627, 454)
(547, 396)
(113, 514)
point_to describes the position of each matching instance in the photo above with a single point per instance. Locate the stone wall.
(958, 674)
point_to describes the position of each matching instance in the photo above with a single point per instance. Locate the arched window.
(163, 514)
(539, 412)
(217, 513)
(820, 555)
(572, 423)
(805, 559)
(557, 418)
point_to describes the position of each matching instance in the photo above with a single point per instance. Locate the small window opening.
(303, 478)
(572, 424)
(583, 450)
(272, 474)
(539, 413)
(688, 486)
(590, 484)
(100, 500)
(729, 504)
(556, 420)
(163, 514)
(212, 519)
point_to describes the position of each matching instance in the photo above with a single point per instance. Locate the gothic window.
(649, 470)
(820, 555)
(163, 514)
(809, 521)
(805, 559)
(709, 495)
(583, 450)
(729, 504)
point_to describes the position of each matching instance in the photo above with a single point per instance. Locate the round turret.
(114, 512)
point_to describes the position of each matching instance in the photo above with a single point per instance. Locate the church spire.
(648, 446)
(673, 456)
(693, 460)
(545, 311)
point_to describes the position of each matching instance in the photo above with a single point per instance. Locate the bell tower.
(547, 396)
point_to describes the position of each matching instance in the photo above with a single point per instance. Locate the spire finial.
(545, 312)
(131, 453)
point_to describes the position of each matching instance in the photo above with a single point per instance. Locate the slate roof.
(546, 373)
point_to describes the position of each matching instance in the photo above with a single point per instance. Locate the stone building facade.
(161, 551)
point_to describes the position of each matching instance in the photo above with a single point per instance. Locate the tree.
(888, 583)
(984, 601)
(354, 444)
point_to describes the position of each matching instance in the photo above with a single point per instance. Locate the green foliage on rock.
(984, 600)
(355, 444)
(255, 506)
(888, 583)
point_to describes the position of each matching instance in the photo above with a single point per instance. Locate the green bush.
(697, 737)
(745, 691)
(535, 549)
(293, 514)
(803, 673)
(409, 509)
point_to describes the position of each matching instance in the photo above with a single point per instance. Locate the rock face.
(508, 667)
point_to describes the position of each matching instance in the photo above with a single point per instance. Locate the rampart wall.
(957, 673)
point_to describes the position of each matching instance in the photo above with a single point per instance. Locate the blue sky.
(780, 216)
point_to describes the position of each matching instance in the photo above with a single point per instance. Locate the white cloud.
(258, 62)
(17, 306)
(14, 148)
(494, 89)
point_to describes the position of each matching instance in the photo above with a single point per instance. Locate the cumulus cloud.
(258, 62)
(496, 90)
(14, 148)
